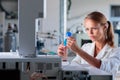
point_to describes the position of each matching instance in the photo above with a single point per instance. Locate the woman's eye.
(94, 28)
(86, 29)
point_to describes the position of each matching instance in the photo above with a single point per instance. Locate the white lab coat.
(110, 57)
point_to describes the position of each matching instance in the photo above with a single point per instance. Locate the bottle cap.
(68, 34)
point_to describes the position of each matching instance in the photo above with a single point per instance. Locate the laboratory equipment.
(83, 72)
(74, 75)
(10, 39)
(82, 38)
(40, 43)
(40, 46)
(29, 10)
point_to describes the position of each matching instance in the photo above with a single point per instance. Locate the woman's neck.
(98, 47)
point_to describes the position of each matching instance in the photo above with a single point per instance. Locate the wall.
(79, 7)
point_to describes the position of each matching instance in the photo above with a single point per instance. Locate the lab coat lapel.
(105, 51)
(92, 49)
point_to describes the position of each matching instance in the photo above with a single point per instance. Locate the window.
(115, 11)
(115, 16)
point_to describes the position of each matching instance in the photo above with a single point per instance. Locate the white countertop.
(92, 70)
(15, 57)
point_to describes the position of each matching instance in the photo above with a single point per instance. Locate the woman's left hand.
(37, 75)
(72, 44)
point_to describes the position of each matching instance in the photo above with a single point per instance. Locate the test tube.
(68, 34)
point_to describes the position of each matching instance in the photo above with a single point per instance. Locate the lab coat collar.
(105, 51)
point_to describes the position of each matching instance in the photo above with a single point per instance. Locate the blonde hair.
(100, 18)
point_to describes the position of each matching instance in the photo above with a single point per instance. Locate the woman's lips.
(92, 37)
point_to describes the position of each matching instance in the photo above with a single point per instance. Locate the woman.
(101, 53)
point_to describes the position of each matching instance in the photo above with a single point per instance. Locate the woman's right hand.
(62, 51)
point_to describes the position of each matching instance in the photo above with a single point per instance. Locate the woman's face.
(94, 30)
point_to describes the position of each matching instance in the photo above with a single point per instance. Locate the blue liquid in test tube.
(68, 34)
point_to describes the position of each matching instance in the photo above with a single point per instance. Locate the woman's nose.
(90, 31)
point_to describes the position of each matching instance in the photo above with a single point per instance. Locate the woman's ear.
(106, 26)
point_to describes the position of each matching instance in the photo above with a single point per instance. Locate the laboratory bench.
(12, 61)
(52, 66)
(89, 71)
